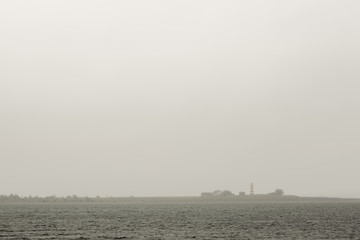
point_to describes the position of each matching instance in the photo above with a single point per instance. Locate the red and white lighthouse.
(251, 189)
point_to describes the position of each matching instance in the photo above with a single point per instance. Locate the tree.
(279, 192)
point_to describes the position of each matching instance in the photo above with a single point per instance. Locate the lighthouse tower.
(251, 189)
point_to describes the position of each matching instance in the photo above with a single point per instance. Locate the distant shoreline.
(180, 199)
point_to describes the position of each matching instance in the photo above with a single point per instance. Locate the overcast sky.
(169, 98)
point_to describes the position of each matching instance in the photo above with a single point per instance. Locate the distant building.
(217, 193)
(242, 194)
(226, 193)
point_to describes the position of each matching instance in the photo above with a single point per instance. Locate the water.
(181, 221)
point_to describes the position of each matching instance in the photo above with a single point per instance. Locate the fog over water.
(169, 98)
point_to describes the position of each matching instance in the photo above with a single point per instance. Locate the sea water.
(322, 220)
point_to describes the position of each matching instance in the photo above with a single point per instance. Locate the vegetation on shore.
(14, 198)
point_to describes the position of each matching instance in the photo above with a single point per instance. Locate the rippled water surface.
(181, 221)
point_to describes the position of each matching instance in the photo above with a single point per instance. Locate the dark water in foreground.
(181, 221)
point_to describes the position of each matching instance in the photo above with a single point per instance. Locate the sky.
(175, 98)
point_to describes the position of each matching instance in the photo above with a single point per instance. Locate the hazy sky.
(164, 98)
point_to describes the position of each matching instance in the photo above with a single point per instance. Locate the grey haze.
(167, 98)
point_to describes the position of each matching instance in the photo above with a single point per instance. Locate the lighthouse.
(251, 189)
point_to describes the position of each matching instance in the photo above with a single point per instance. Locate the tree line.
(14, 198)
